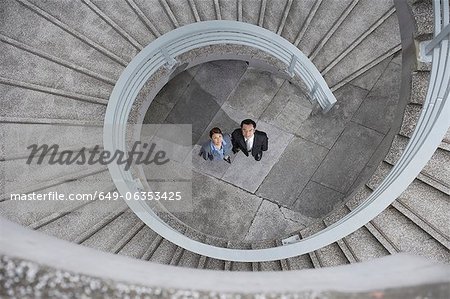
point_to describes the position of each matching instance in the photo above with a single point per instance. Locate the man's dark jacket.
(260, 143)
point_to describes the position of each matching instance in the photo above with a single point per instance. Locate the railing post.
(291, 68)
(437, 39)
(170, 61)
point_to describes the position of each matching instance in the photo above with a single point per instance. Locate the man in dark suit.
(249, 140)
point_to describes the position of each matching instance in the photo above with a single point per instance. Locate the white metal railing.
(430, 129)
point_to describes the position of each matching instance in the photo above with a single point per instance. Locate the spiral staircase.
(60, 62)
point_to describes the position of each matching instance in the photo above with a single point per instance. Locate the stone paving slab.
(228, 73)
(157, 113)
(246, 172)
(380, 106)
(254, 92)
(174, 89)
(289, 108)
(220, 209)
(196, 107)
(348, 157)
(289, 176)
(271, 223)
(325, 129)
(316, 200)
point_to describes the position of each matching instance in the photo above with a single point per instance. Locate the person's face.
(217, 139)
(248, 131)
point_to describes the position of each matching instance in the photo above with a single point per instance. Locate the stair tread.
(358, 22)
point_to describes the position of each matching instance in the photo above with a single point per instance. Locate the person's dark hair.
(248, 121)
(215, 131)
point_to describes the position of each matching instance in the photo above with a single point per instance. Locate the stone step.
(408, 237)
(328, 256)
(317, 29)
(127, 237)
(139, 244)
(273, 14)
(37, 67)
(21, 99)
(266, 266)
(25, 178)
(364, 53)
(110, 236)
(239, 266)
(298, 19)
(419, 87)
(164, 253)
(296, 263)
(156, 13)
(50, 121)
(436, 172)
(346, 15)
(360, 245)
(251, 11)
(54, 91)
(206, 10)
(152, 247)
(125, 21)
(170, 14)
(54, 40)
(182, 12)
(188, 258)
(375, 64)
(15, 185)
(212, 263)
(69, 210)
(424, 16)
(355, 200)
(18, 136)
(366, 17)
(419, 220)
(85, 220)
(27, 212)
(229, 9)
(410, 119)
(104, 221)
(92, 31)
(418, 202)
(127, 37)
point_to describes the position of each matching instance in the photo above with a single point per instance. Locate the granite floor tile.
(270, 223)
(316, 200)
(291, 173)
(254, 92)
(220, 209)
(348, 157)
(324, 129)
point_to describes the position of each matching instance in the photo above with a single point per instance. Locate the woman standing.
(218, 147)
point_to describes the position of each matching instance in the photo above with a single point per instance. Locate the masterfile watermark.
(141, 153)
(51, 163)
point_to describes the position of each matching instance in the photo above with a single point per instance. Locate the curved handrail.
(431, 127)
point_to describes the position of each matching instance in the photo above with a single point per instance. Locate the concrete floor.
(314, 160)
